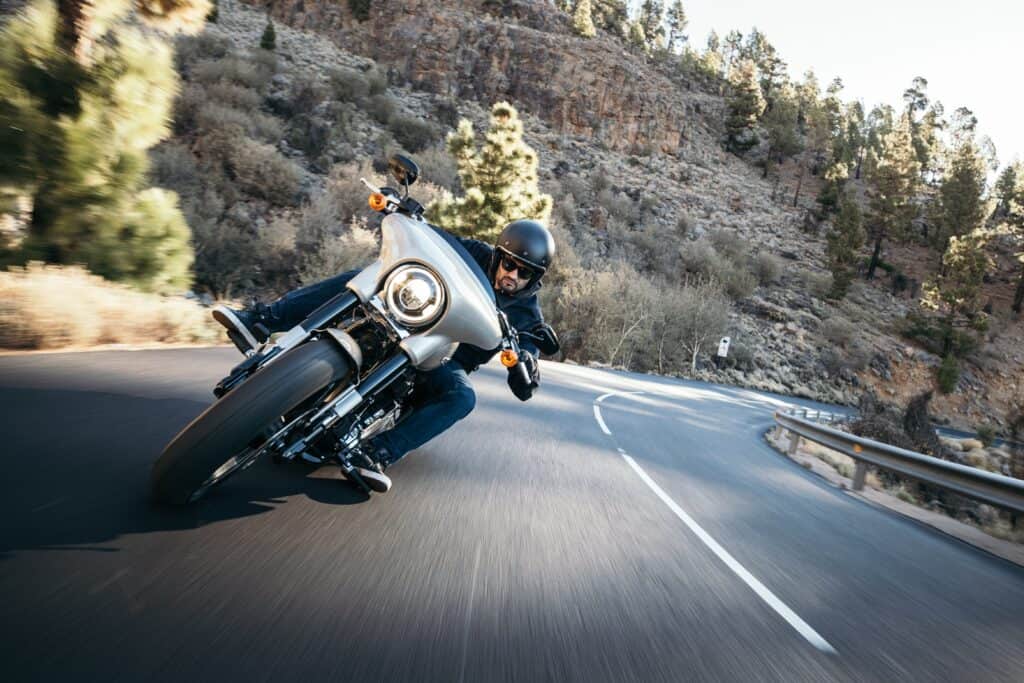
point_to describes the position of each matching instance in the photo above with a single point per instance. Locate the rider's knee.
(464, 399)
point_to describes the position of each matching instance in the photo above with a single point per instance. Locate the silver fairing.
(470, 317)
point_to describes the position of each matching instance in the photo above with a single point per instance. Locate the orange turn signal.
(377, 201)
(509, 358)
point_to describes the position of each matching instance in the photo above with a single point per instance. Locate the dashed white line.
(791, 617)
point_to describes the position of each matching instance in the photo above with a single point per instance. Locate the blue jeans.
(442, 396)
(293, 307)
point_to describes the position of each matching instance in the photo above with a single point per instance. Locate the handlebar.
(510, 343)
(387, 200)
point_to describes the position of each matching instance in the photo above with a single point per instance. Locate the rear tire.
(227, 427)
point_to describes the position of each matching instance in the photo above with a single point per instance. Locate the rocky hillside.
(628, 149)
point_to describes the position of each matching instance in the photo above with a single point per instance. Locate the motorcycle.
(347, 372)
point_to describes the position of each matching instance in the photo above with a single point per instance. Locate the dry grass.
(47, 307)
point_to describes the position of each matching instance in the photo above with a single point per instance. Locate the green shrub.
(684, 224)
(360, 9)
(252, 73)
(730, 244)
(619, 206)
(702, 259)
(376, 80)
(213, 116)
(767, 268)
(817, 284)
(948, 374)
(380, 107)
(741, 357)
(938, 337)
(413, 133)
(206, 45)
(305, 95)
(446, 112)
(348, 85)
(438, 167)
(838, 331)
(172, 166)
(233, 95)
(261, 171)
(310, 135)
(986, 434)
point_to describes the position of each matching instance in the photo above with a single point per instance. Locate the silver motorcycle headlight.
(414, 296)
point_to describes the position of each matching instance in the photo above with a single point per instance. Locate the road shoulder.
(1007, 550)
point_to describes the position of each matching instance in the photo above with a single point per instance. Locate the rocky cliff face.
(522, 51)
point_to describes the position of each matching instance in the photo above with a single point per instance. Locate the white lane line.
(600, 420)
(602, 397)
(783, 610)
(791, 617)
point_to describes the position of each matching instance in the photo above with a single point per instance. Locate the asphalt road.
(526, 544)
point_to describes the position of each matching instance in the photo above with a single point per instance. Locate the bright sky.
(970, 52)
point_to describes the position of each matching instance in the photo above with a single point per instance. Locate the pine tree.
(81, 101)
(651, 19)
(268, 41)
(712, 61)
(732, 49)
(780, 124)
(954, 293)
(844, 242)
(583, 20)
(855, 142)
(771, 69)
(961, 205)
(499, 179)
(745, 106)
(1004, 190)
(813, 123)
(637, 38)
(611, 16)
(831, 191)
(677, 22)
(891, 191)
(1013, 224)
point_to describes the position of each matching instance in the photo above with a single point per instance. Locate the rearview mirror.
(403, 169)
(547, 340)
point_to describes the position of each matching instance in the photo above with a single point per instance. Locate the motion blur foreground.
(521, 546)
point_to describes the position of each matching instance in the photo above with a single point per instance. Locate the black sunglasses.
(510, 266)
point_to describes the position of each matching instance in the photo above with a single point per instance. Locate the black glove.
(522, 383)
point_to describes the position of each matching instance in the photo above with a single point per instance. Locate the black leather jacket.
(522, 309)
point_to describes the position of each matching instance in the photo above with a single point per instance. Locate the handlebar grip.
(523, 373)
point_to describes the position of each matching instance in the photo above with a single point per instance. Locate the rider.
(443, 396)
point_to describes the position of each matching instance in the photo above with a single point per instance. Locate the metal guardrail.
(1006, 492)
(820, 415)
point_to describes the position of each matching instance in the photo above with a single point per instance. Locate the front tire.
(223, 432)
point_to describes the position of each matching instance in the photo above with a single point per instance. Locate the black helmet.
(529, 242)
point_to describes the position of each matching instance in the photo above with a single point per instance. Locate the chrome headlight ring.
(414, 296)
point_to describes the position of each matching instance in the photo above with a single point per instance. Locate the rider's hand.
(522, 388)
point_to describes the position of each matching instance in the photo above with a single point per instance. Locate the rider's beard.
(507, 284)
